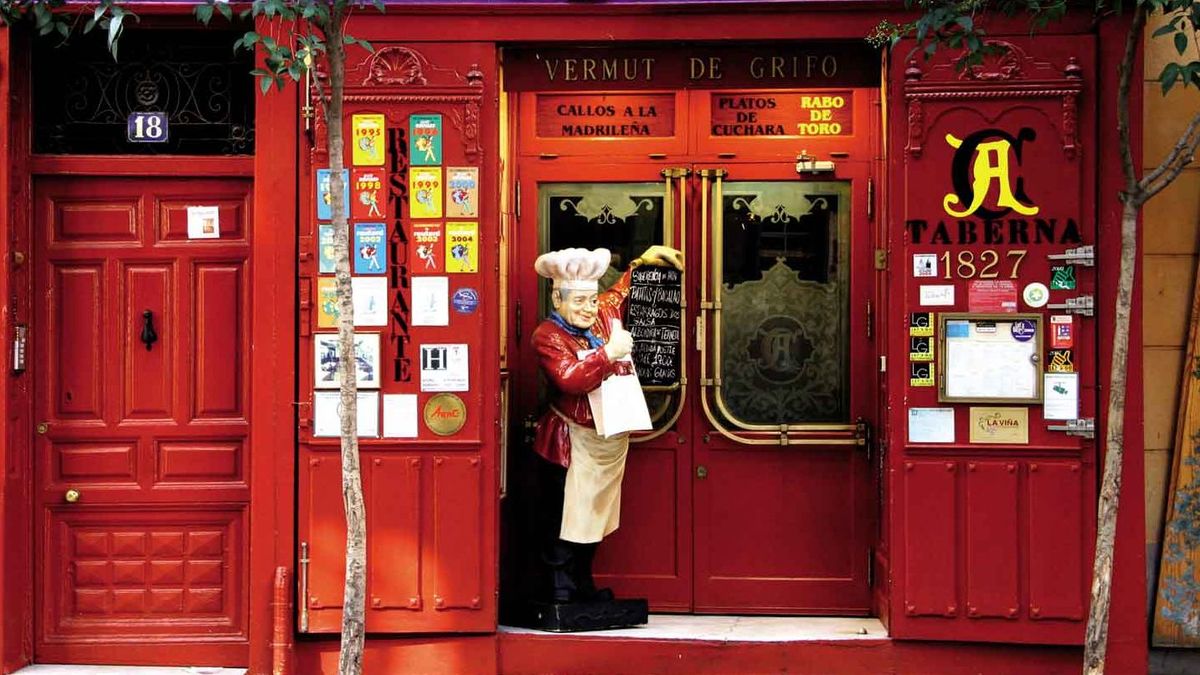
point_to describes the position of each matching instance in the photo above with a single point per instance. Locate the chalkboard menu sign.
(653, 317)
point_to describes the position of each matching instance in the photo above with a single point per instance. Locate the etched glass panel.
(784, 321)
(625, 218)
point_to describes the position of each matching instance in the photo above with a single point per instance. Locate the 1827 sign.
(654, 318)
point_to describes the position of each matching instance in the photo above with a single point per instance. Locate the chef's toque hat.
(575, 269)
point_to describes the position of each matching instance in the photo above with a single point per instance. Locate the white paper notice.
(924, 265)
(982, 359)
(431, 301)
(1060, 396)
(937, 296)
(444, 368)
(325, 414)
(399, 415)
(204, 222)
(931, 425)
(370, 300)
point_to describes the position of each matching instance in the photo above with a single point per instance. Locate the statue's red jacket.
(570, 378)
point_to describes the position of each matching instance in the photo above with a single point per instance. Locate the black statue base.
(583, 616)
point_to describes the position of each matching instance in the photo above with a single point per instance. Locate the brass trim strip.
(669, 239)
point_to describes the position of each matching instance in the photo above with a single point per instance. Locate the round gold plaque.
(445, 414)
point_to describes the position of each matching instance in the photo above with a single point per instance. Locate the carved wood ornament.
(1011, 75)
(397, 74)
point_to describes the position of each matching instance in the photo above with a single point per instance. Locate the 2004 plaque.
(445, 414)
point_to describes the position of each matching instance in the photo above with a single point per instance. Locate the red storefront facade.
(926, 201)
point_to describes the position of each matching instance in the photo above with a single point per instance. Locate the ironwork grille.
(82, 99)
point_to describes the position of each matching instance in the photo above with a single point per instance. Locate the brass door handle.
(71, 496)
(701, 472)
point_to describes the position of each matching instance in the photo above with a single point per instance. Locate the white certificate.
(400, 415)
(931, 425)
(444, 367)
(1060, 396)
(204, 222)
(940, 295)
(326, 421)
(370, 300)
(430, 301)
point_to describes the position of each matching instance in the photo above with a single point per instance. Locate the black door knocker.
(148, 335)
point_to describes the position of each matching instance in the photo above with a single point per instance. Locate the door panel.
(140, 343)
(147, 375)
(783, 491)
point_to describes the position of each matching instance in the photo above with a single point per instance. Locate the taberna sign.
(988, 201)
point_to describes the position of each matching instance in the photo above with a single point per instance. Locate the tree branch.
(1125, 75)
(1180, 156)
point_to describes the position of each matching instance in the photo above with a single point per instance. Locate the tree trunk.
(1096, 640)
(354, 596)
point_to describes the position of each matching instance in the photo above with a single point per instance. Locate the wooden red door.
(785, 389)
(141, 348)
(625, 208)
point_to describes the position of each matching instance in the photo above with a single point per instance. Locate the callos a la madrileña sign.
(147, 127)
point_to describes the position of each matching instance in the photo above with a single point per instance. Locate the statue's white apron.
(592, 497)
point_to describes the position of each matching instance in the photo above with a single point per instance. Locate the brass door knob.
(71, 496)
(701, 472)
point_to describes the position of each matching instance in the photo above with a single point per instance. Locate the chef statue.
(579, 483)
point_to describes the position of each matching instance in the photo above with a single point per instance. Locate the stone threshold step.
(715, 628)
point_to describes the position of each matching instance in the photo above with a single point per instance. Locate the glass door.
(785, 355)
(752, 494)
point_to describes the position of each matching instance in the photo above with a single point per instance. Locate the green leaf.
(225, 10)
(1170, 73)
(1181, 43)
(1163, 30)
(203, 13)
(264, 83)
(114, 32)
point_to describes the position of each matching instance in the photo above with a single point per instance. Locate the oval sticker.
(1023, 330)
(445, 414)
(465, 300)
(1036, 294)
